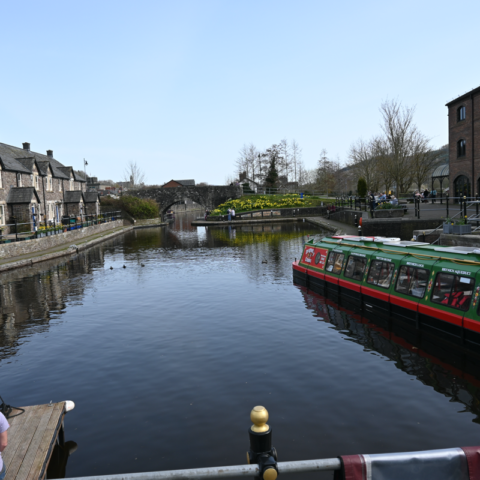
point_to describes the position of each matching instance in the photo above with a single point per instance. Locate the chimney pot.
(26, 146)
(50, 153)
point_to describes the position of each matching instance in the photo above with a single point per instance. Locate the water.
(165, 361)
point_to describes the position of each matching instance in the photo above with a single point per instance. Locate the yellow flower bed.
(244, 204)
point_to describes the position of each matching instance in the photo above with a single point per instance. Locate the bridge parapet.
(209, 196)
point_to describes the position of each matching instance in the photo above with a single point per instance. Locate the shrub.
(362, 187)
(138, 208)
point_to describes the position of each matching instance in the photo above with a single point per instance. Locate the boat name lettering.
(384, 259)
(415, 264)
(337, 251)
(359, 254)
(458, 272)
(309, 254)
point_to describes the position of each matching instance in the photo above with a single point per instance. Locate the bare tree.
(285, 166)
(365, 163)
(134, 174)
(400, 133)
(423, 160)
(242, 161)
(296, 157)
(327, 173)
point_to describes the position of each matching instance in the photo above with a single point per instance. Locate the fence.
(33, 228)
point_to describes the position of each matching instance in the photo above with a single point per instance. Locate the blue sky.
(180, 86)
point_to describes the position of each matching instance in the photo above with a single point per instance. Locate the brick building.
(464, 144)
(33, 185)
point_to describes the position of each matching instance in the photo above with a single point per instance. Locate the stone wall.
(397, 227)
(280, 212)
(209, 196)
(37, 245)
(350, 217)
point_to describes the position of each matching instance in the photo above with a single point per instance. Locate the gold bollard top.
(270, 474)
(259, 417)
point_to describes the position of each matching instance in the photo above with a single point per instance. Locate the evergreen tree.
(362, 188)
(272, 175)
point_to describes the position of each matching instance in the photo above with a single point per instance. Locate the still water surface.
(165, 361)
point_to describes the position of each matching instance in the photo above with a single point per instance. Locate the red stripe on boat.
(402, 302)
(331, 279)
(349, 285)
(473, 325)
(375, 293)
(452, 318)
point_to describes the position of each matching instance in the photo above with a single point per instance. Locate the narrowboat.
(431, 288)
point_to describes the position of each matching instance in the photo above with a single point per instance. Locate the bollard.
(447, 205)
(359, 230)
(261, 451)
(465, 207)
(356, 221)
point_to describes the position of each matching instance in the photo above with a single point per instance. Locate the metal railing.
(34, 228)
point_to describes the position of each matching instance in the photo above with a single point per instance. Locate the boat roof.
(396, 245)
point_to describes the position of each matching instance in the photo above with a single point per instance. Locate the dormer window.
(461, 113)
(461, 148)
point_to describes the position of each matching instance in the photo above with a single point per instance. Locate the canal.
(165, 358)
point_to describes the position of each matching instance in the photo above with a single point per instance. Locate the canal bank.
(69, 247)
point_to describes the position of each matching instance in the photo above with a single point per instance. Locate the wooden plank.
(23, 459)
(16, 433)
(46, 445)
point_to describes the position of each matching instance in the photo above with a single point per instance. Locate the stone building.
(464, 144)
(27, 171)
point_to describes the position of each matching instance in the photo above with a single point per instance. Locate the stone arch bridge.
(209, 197)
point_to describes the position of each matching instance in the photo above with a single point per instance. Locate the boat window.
(381, 273)
(453, 290)
(412, 281)
(335, 262)
(355, 267)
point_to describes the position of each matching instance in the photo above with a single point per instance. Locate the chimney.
(26, 146)
(50, 153)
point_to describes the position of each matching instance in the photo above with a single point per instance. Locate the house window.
(461, 113)
(59, 185)
(31, 179)
(412, 281)
(72, 185)
(19, 179)
(2, 214)
(36, 182)
(1, 184)
(461, 148)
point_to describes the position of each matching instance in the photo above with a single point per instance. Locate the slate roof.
(22, 195)
(65, 170)
(90, 197)
(27, 162)
(15, 159)
(79, 176)
(186, 183)
(72, 196)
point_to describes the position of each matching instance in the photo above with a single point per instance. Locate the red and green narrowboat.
(432, 288)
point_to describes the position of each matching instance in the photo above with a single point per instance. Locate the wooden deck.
(31, 438)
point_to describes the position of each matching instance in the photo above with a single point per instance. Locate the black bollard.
(261, 451)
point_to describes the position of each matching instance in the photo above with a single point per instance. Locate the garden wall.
(24, 247)
(397, 227)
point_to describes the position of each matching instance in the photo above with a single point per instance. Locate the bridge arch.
(209, 196)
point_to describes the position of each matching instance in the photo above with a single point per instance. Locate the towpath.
(61, 250)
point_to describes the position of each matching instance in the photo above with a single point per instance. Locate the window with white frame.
(31, 179)
(59, 185)
(2, 214)
(1, 184)
(72, 184)
(19, 179)
(37, 182)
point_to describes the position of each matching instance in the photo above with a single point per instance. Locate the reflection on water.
(452, 373)
(165, 358)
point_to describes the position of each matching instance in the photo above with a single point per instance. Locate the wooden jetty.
(31, 439)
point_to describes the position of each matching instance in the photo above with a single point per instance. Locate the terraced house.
(36, 188)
